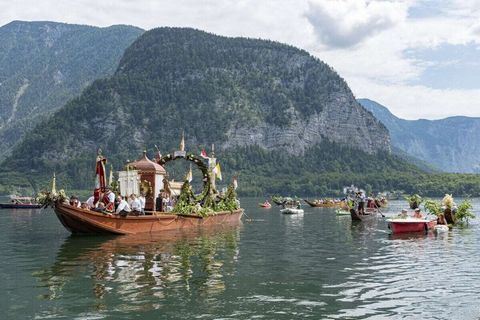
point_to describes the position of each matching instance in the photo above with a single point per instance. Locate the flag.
(158, 156)
(100, 177)
(218, 171)
(204, 154)
(54, 185)
(189, 176)
(110, 178)
(235, 183)
(182, 142)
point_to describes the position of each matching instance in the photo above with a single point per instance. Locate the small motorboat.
(265, 205)
(291, 211)
(407, 225)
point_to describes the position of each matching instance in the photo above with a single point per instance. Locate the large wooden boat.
(84, 221)
(21, 203)
(409, 225)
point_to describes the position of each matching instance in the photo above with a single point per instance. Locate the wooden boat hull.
(325, 205)
(19, 206)
(361, 217)
(410, 226)
(82, 221)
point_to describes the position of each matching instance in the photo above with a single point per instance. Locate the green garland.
(49, 199)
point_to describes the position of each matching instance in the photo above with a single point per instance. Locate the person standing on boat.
(109, 200)
(361, 202)
(142, 203)
(158, 202)
(123, 208)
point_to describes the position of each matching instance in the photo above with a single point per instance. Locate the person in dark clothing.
(159, 202)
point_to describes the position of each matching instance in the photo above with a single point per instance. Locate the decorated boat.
(150, 179)
(292, 211)
(325, 203)
(84, 221)
(292, 207)
(17, 202)
(409, 224)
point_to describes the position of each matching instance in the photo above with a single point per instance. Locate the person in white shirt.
(123, 208)
(136, 206)
(90, 202)
(142, 202)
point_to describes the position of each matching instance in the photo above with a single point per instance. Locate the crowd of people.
(109, 203)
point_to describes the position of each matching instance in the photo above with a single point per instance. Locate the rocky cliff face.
(228, 91)
(45, 64)
(450, 144)
(341, 120)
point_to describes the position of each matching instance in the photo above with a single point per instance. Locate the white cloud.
(345, 23)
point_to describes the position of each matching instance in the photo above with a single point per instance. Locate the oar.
(383, 216)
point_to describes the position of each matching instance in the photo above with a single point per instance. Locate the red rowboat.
(265, 205)
(410, 225)
(84, 221)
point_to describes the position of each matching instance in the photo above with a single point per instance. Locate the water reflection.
(139, 272)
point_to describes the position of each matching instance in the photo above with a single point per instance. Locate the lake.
(272, 266)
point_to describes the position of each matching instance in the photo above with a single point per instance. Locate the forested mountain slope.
(45, 64)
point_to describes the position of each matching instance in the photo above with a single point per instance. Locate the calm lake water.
(317, 265)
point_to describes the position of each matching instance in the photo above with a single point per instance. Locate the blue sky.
(420, 58)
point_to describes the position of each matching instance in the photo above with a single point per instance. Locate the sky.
(420, 58)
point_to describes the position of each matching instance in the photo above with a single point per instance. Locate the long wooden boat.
(84, 221)
(409, 225)
(20, 206)
(361, 217)
(17, 202)
(317, 204)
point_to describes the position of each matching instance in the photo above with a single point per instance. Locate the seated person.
(84, 205)
(100, 207)
(441, 219)
(418, 214)
(135, 205)
(123, 208)
(74, 202)
(403, 215)
(90, 203)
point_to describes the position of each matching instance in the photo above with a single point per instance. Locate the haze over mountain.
(450, 144)
(270, 104)
(45, 64)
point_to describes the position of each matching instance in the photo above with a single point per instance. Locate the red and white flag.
(204, 154)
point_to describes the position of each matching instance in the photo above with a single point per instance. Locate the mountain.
(45, 64)
(450, 144)
(233, 92)
(281, 119)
